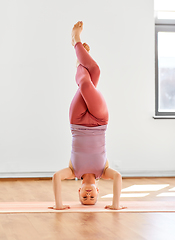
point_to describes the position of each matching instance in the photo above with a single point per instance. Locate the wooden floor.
(93, 226)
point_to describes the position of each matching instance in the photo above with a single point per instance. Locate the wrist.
(58, 206)
(116, 205)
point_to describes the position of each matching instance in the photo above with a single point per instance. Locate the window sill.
(164, 117)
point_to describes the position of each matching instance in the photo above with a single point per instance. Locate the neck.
(88, 178)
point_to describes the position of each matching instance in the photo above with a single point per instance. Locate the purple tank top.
(88, 153)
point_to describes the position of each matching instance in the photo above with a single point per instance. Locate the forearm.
(117, 186)
(57, 190)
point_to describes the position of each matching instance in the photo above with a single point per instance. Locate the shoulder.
(106, 167)
(71, 168)
(110, 173)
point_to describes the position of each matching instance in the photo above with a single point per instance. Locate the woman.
(88, 118)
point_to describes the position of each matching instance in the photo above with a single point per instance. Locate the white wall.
(37, 68)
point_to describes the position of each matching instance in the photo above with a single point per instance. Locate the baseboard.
(26, 174)
(123, 173)
(148, 173)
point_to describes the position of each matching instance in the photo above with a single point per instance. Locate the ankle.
(76, 39)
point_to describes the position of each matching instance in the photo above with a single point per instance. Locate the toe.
(80, 23)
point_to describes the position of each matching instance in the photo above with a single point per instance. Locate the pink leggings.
(88, 107)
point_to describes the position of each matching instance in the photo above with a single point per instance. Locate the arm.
(65, 173)
(117, 186)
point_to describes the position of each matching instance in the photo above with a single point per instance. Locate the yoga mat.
(42, 207)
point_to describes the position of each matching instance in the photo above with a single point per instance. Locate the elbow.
(56, 176)
(117, 175)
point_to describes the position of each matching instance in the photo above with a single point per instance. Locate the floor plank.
(93, 226)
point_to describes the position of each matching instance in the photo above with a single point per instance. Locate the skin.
(88, 192)
(76, 31)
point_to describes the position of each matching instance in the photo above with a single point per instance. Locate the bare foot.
(86, 46)
(76, 31)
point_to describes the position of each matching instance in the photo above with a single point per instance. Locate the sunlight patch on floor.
(166, 194)
(127, 195)
(107, 196)
(172, 189)
(143, 188)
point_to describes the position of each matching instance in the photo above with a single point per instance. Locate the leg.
(78, 109)
(92, 97)
(83, 56)
(88, 107)
(87, 61)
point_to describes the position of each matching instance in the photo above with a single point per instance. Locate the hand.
(62, 207)
(111, 207)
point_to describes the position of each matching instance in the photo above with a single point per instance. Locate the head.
(88, 193)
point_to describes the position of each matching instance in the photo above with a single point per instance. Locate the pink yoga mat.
(132, 206)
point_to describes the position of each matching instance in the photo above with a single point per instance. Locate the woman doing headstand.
(88, 118)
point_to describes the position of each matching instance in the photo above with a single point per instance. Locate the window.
(165, 60)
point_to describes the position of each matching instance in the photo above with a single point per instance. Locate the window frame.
(165, 25)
